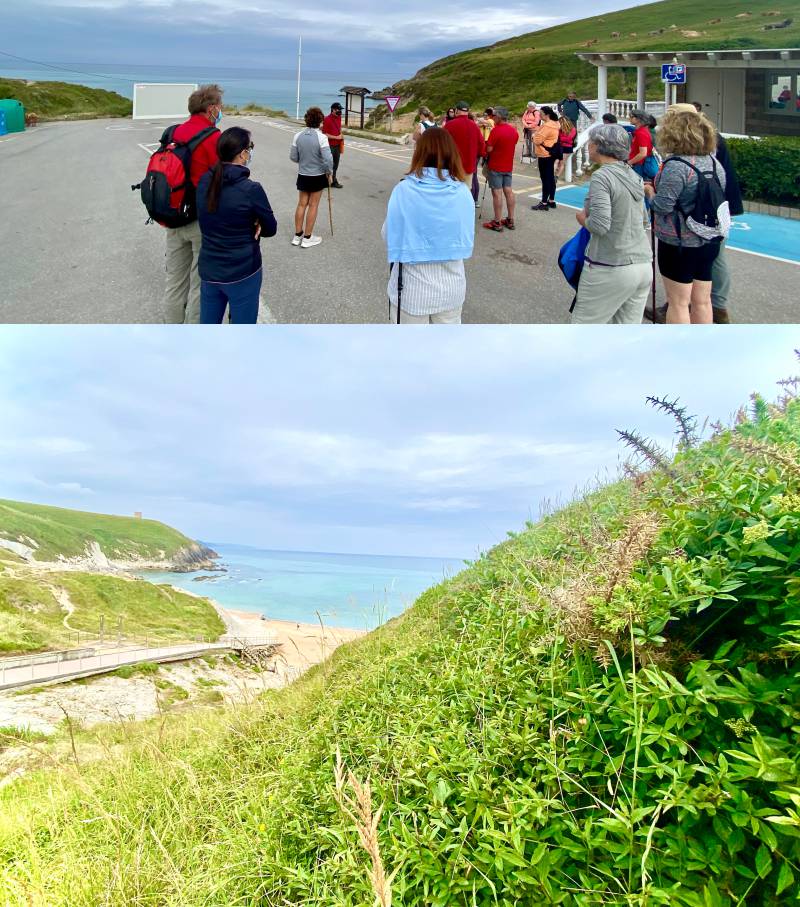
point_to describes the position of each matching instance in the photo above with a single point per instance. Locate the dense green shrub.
(768, 168)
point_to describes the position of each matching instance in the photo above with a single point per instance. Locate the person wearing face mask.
(233, 213)
(182, 295)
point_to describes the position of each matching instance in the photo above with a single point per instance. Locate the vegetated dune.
(37, 532)
(602, 709)
(63, 100)
(543, 65)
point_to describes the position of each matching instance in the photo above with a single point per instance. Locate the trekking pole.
(480, 212)
(653, 248)
(330, 205)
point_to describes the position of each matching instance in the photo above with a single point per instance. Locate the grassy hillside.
(57, 531)
(542, 65)
(63, 100)
(32, 617)
(602, 710)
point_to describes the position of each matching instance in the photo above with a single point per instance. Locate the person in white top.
(426, 121)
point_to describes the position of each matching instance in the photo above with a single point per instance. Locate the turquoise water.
(346, 590)
(276, 88)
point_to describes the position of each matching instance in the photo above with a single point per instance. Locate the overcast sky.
(350, 439)
(339, 36)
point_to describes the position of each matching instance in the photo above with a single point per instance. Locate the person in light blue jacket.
(429, 231)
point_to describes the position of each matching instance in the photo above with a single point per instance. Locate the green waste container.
(14, 114)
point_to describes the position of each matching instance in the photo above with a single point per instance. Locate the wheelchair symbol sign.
(673, 73)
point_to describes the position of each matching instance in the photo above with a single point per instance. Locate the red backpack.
(167, 190)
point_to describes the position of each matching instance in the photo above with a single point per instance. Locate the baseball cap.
(502, 112)
(531, 103)
(462, 105)
(336, 104)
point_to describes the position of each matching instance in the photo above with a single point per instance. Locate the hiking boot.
(493, 225)
(309, 241)
(507, 223)
(337, 185)
(542, 206)
(721, 316)
(296, 240)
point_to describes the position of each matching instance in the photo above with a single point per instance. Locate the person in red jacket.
(332, 127)
(182, 295)
(469, 141)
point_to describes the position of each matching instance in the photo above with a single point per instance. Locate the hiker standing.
(720, 272)
(547, 143)
(332, 127)
(469, 142)
(311, 152)
(685, 257)
(642, 158)
(530, 123)
(429, 231)
(571, 108)
(567, 136)
(426, 121)
(616, 276)
(233, 214)
(500, 147)
(182, 294)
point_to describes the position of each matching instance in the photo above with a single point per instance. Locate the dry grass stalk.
(630, 548)
(785, 457)
(355, 801)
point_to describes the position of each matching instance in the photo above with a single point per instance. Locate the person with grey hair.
(616, 274)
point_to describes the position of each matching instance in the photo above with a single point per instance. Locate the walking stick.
(653, 247)
(480, 212)
(330, 204)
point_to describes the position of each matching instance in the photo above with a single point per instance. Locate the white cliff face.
(19, 548)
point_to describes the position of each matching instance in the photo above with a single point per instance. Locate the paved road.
(74, 246)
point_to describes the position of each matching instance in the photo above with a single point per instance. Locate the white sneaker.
(296, 240)
(309, 241)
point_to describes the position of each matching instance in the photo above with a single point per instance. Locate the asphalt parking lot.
(74, 245)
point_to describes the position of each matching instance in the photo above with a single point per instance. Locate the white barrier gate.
(161, 100)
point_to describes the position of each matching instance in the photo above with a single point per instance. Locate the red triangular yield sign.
(392, 101)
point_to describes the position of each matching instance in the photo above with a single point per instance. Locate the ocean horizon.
(275, 88)
(360, 591)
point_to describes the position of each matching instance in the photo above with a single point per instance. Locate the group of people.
(214, 261)
(690, 191)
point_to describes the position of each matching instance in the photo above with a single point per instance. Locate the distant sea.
(346, 590)
(276, 88)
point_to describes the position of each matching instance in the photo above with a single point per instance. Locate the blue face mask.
(218, 119)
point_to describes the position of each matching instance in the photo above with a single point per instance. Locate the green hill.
(63, 100)
(542, 65)
(33, 617)
(54, 532)
(601, 710)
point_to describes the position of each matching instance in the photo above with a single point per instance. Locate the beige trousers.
(452, 316)
(182, 295)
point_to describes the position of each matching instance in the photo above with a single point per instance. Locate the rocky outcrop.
(194, 557)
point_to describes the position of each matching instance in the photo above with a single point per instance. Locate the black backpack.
(710, 216)
(167, 190)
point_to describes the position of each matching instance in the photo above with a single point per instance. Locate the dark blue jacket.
(230, 251)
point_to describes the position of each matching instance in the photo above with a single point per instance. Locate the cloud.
(443, 505)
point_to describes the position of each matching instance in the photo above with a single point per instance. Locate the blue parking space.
(761, 234)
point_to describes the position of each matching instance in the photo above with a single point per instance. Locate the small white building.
(743, 92)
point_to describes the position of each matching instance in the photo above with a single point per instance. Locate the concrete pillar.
(602, 90)
(641, 93)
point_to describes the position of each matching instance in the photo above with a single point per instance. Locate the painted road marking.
(764, 235)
